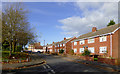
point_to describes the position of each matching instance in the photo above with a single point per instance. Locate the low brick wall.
(87, 58)
(107, 61)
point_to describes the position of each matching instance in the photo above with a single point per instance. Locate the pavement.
(112, 68)
(35, 61)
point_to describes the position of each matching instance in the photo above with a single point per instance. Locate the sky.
(52, 21)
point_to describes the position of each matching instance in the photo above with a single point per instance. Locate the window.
(58, 50)
(50, 46)
(91, 49)
(56, 46)
(103, 38)
(50, 50)
(75, 43)
(75, 50)
(63, 44)
(60, 45)
(81, 50)
(82, 42)
(91, 40)
(55, 50)
(103, 49)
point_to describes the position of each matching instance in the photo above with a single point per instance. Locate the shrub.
(86, 52)
(54, 53)
(71, 52)
(95, 59)
(61, 51)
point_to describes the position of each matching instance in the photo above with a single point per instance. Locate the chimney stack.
(39, 43)
(64, 38)
(53, 42)
(94, 29)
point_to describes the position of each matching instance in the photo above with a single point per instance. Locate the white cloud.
(94, 14)
(59, 0)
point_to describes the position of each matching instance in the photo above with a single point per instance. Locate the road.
(58, 64)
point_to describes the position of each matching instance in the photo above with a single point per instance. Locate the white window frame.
(60, 45)
(101, 38)
(50, 50)
(75, 43)
(55, 50)
(82, 42)
(81, 50)
(93, 49)
(75, 50)
(103, 49)
(91, 40)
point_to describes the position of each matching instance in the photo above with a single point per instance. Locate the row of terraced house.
(98, 42)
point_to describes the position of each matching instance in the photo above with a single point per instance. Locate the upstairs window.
(82, 42)
(60, 45)
(75, 43)
(103, 38)
(91, 40)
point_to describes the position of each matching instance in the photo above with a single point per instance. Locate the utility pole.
(44, 42)
(44, 46)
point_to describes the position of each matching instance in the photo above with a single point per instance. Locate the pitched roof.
(49, 45)
(61, 42)
(108, 29)
(64, 41)
(39, 47)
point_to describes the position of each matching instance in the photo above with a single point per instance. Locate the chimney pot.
(64, 38)
(53, 42)
(94, 29)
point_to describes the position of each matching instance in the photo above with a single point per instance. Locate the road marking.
(47, 66)
(53, 71)
(44, 66)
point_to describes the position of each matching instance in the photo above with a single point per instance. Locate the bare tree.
(16, 29)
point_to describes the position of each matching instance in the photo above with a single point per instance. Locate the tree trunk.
(10, 49)
(13, 45)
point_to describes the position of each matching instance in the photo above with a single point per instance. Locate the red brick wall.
(96, 45)
(119, 46)
(69, 45)
(115, 44)
(107, 61)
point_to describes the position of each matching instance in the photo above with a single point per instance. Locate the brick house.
(65, 44)
(99, 42)
(35, 47)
